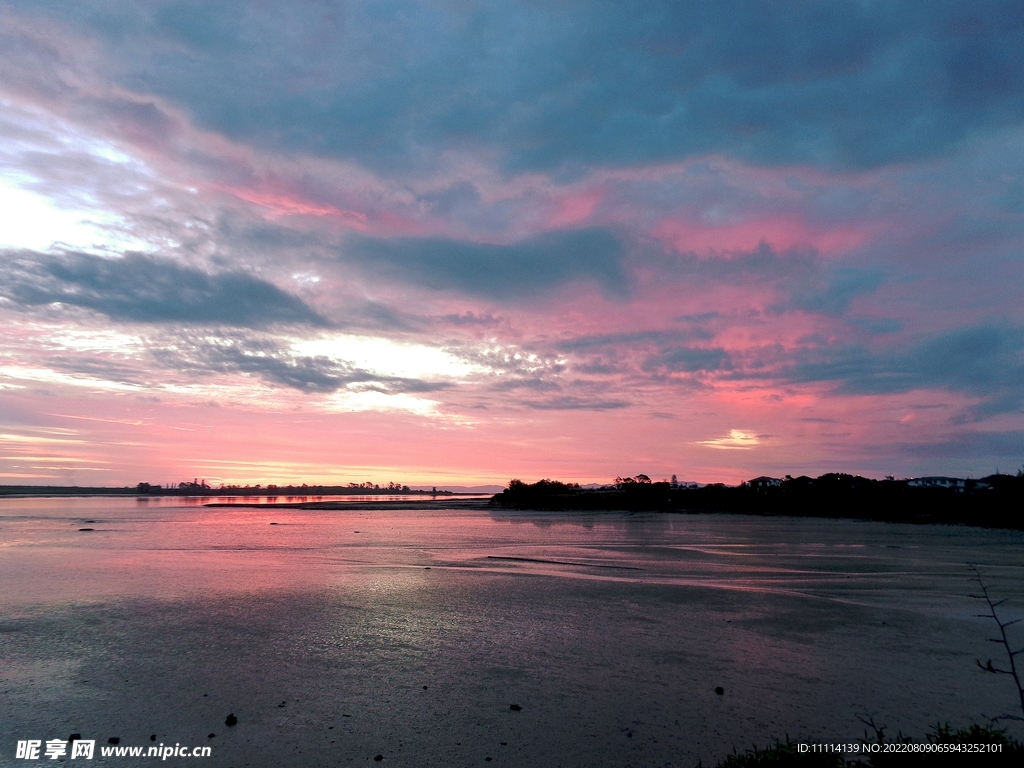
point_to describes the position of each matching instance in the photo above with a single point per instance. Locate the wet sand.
(611, 632)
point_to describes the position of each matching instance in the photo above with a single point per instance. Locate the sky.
(458, 241)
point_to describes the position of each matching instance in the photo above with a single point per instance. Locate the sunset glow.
(363, 245)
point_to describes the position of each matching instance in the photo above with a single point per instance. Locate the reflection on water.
(167, 546)
(425, 624)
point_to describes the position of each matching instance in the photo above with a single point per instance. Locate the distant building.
(760, 483)
(951, 483)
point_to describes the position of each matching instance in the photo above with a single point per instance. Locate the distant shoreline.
(156, 492)
(996, 501)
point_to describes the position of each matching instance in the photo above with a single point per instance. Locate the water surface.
(610, 630)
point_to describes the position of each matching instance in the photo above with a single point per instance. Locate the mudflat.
(336, 636)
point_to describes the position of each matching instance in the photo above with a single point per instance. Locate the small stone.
(90, 521)
(230, 720)
(427, 568)
(720, 690)
(330, 727)
(514, 707)
(152, 737)
(74, 737)
(86, 529)
(273, 523)
(210, 735)
(503, 743)
(281, 705)
(488, 759)
(113, 740)
(424, 687)
(378, 758)
(346, 715)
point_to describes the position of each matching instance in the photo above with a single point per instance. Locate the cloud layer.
(143, 289)
(482, 239)
(842, 84)
(511, 271)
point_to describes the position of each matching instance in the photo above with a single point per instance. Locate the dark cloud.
(688, 360)
(528, 267)
(145, 289)
(972, 446)
(802, 279)
(792, 269)
(701, 318)
(535, 384)
(597, 366)
(833, 295)
(275, 364)
(633, 338)
(471, 319)
(568, 85)
(570, 403)
(986, 362)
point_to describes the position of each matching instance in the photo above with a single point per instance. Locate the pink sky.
(372, 250)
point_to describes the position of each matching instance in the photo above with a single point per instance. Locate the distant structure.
(760, 483)
(951, 483)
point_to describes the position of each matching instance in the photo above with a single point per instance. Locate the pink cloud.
(284, 204)
(576, 208)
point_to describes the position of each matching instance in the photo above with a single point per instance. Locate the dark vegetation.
(996, 501)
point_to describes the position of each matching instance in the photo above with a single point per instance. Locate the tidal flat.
(336, 636)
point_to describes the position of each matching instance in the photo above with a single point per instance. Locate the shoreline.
(478, 504)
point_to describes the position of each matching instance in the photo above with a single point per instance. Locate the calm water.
(611, 631)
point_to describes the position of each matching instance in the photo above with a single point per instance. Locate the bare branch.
(878, 729)
(1002, 640)
(1007, 717)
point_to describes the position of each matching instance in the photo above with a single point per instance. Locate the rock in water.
(514, 707)
(378, 758)
(720, 690)
(230, 720)
(113, 740)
